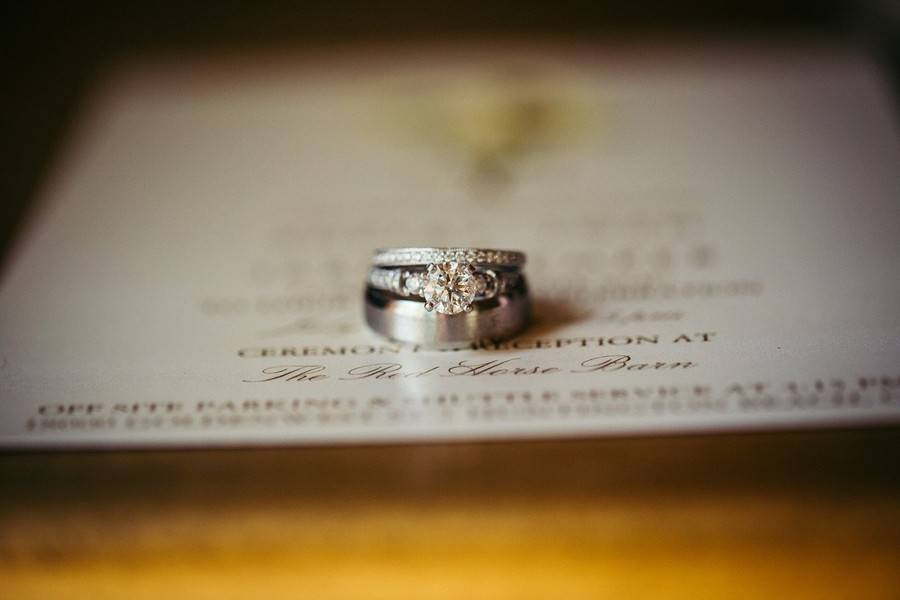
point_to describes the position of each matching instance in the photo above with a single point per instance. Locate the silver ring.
(420, 282)
(449, 280)
(406, 320)
(404, 257)
(446, 296)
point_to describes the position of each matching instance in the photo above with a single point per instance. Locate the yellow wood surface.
(775, 515)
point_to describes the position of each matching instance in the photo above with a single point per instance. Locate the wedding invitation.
(711, 237)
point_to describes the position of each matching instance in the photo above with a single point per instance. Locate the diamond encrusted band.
(449, 280)
(403, 257)
(411, 282)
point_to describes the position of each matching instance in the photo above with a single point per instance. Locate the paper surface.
(711, 238)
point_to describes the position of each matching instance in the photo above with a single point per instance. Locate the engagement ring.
(444, 296)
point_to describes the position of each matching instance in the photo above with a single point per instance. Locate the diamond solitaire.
(449, 288)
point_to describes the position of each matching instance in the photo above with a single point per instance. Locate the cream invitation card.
(712, 241)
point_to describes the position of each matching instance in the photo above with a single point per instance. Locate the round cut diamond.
(449, 287)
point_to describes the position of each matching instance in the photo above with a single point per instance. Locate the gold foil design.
(492, 122)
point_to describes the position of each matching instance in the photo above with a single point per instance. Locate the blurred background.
(52, 52)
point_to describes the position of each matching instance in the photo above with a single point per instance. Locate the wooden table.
(764, 515)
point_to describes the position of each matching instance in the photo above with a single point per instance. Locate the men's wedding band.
(407, 321)
(439, 297)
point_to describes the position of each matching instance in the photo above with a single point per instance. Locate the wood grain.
(809, 515)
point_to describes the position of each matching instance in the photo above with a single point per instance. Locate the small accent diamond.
(413, 284)
(486, 284)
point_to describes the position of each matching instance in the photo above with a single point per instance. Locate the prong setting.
(450, 287)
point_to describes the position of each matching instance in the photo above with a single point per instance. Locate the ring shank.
(405, 320)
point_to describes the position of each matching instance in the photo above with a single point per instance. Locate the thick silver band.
(404, 257)
(406, 320)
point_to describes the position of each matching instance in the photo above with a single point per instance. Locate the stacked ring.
(440, 297)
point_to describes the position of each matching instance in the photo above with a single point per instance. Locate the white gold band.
(409, 282)
(404, 257)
